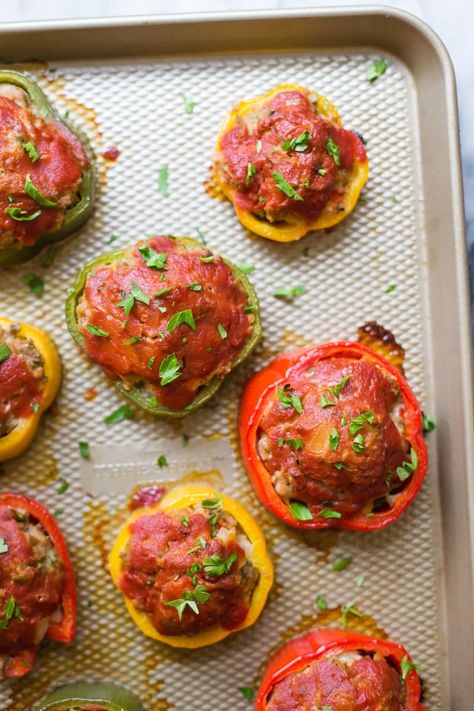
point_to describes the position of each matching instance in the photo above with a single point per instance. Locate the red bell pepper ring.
(261, 387)
(64, 629)
(316, 644)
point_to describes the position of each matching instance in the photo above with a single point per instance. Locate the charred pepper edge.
(189, 495)
(296, 226)
(111, 696)
(134, 394)
(300, 651)
(265, 381)
(19, 439)
(63, 631)
(77, 215)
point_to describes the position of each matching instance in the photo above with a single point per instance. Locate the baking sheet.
(136, 104)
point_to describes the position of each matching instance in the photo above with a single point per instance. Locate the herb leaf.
(341, 563)
(31, 190)
(121, 413)
(334, 151)
(298, 144)
(84, 450)
(357, 423)
(300, 511)
(191, 599)
(5, 352)
(30, 150)
(358, 443)
(428, 423)
(181, 317)
(329, 513)
(326, 402)
(336, 389)
(245, 267)
(251, 172)
(334, 438)
(163, 181)
(406, 667)
(162, 461)
(285, 187)
(152, 258)
(136, 294)
(407, 468)
(376, 70)
(289, 292)
(170, 369)
(63, 486)
(217, 566)
(96, 331)
(321, 602)
(222, 331)
(349, 609)
(247, 692)
(189, 104)
(35, 283)
(287, 399)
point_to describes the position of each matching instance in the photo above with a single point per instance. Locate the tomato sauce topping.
(201, 346)
(186, 570)
(316, 166)
(54, 159)
(31, 581)
(365, 684)
(342, 450)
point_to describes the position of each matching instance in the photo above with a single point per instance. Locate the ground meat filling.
(286, 135)
(47, 152)
(350, 682)
(188, 569)
(172, 317)
(332, 436)
(22, 378)
(31, 581)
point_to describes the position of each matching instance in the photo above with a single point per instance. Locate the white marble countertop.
(451, 20)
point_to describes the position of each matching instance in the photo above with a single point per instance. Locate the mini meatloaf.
(41, 166)
(22, 378)
(333, 435)
(168, 315)
(344, 682)
(31, 582)
(188, 570)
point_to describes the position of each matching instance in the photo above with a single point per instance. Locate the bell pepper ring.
(21, 436)
(82, 696)
(318, 644)
(64, 629)
(261, 388)
(181, 497)
(140, 396)
(293, 226)
(79, 213)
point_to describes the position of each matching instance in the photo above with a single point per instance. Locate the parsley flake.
(251, 172)
(247, 692)
(222, 331)
(336, 389)
(428, 423)
(300, 511)
(119, 415)
(407, 468)
(152, 258)
(63, 486)
(84, 450)
(35, 283)
(407, 666)
(376, 70)
(96, 331)
(357, 423)
(30, 150)
(334, 151)
(326, 402)
(245, 267)
(289, 292)
(299, 143)
(288, 399)
(163, 181)
(5, 352)
(194, 287)
(189, 104)
(358, 443)
(190, 599)
(390, 288)
(334, 438)
(320, 602)
(170, 369)
(162, 461)
(349, 609)
(217, 566)
(285, 187)
(329, 513)
(341, 563)
(181, 317)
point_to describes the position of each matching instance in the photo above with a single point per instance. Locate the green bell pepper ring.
(91, 697)
(77, 215)
(138, 393)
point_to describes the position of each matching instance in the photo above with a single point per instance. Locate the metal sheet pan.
(120, 80)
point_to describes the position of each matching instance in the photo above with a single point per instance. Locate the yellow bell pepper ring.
(187, 496)
(21, 436)
(294, 225)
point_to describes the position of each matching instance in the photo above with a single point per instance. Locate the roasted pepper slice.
(319, 644)
(91, 697)
(290, 222)
(182, 497)
(16, 441)
(139, 390)
(77, 215)
(63, 629)
(262, 387)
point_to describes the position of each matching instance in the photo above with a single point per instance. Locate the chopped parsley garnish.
(334, 151)
(211, 503)
(194, 287)
(349, 609)
(132, 340)
(247, 692)
(320, 602)
(334, 438)
(170, 369)
(181, 317)
(217, 566)
(329, 513)
(192, 599)
(112, 238)
(96, 331)
(358, 443)
(48, 258)
(35, 283)
(407, 468)
(289, 292)
(428, 423)
(3, 546)
(200, 543)
(295, 443)
(251, 172)
(360, 580)
(201, 236)
(191, 572)
(189, 104)
(162, 461)
(84, 450)
(63, 486)
(390, 288)
(285, 187)
(12, 610)
(245, 267)
(35, 406)
(31, 190)
(136, 294)
(336, 389)
(152, 258)
(163, 180)
(340, 466)
(326, 402)
(376, 70)
(298, 144)
(357, 423)
(406, 667)
(185, 521)
(300, 511)
(341, 563)
(5, 352)
(221, 331)
(119, 415)
(151, 362)
(207, 260)
(20, 215)
(287, 399)
(30, 151)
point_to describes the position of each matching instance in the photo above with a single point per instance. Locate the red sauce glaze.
(157, 569)
(56, 174)
(31, 576)
(147, 496)
(19, 388)
(366, 685)
(112, 153)
(202, 352)
(309, 474)
(282, 118)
